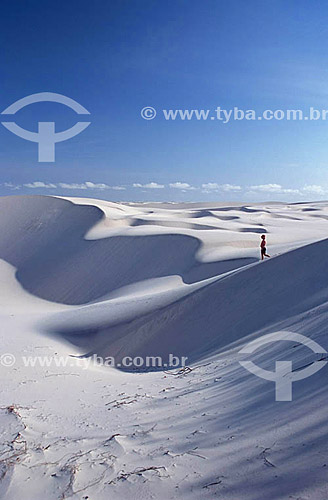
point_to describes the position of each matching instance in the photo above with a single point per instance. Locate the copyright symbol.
(7, 360)
(148, 113)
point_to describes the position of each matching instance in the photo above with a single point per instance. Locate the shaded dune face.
(198, 214)
(44, 238)
(213, 317)
(165, 223)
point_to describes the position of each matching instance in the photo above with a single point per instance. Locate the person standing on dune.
(263, 247)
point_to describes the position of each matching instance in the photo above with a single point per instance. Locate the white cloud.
(181, 185)
(64, 185)
(92, 185)
(273, 188)
(88, 185)
(150, 185)
(11, 185)
(210, 185)
(267, 188)
(315, 189)
(230, 187)
(213, 186)
(40, 184)
(291, 191)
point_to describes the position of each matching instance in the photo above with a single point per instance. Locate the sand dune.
(56, 263)
(82, 277)
(224, 310)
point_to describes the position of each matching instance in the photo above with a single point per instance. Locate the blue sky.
(116, 57)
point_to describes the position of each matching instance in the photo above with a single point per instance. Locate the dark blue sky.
(116, 57)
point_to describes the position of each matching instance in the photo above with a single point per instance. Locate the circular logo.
(7, 360)
(148, 113)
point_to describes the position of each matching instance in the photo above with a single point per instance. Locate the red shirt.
(263, 244)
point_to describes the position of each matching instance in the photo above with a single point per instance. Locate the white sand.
(82, 277)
